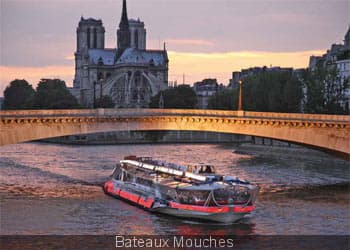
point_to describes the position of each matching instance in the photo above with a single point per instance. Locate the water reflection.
(52, 189)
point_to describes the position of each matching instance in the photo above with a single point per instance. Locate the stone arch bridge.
(326, 132)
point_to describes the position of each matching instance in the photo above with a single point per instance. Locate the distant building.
(338, 55)
(130, 74)
(244, 73)
(337, 52)
(204, 90)
(1, 102)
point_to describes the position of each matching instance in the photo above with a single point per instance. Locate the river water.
(56, 189)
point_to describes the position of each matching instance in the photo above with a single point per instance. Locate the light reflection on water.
(53, 189)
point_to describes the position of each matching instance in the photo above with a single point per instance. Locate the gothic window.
(137, 78)
(100, 76)
(88, 38)
(95, 38)
(134, 94)
(136, 35)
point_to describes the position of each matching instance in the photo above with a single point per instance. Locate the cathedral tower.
(137, 34)
(90, 35)
(123, 33)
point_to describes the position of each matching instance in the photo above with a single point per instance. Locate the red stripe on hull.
(246, 209)
(129, 196)
(108, 186)
(199, 208)
(146, 203)
(224, 209)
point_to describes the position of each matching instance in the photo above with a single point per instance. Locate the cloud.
(70, 57)
(189, 42)
(197, 66)
(34, 74)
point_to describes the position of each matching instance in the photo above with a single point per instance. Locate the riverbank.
(285, 151)
(147, 137)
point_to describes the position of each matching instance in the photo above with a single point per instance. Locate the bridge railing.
(115, 112)
(169, 112)
(296, 116)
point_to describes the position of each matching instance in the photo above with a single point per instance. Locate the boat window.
(128, 177)
(190, 168)
(206, 169)
(233, 195)
(117, 174)
(144, 181)
(193, 197)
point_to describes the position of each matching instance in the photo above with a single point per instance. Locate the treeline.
(319, 91)
(265, 92)
(181, 97)
(326, 91)
(49, 94)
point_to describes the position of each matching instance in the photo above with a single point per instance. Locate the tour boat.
(194, 192)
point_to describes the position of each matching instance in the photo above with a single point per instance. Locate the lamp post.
(95, 94)
(101, 80)
(240, 96)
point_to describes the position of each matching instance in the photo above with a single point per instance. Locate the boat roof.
(188, 181)
(166, 170)
(174, 176)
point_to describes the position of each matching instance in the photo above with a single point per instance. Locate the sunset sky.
(205, 38)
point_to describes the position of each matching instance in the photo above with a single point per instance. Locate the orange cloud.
(70, 57)
(189, 42)
(34, 74)
(197, 66)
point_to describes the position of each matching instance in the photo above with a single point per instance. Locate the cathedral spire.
(124, 20)
(123, 33)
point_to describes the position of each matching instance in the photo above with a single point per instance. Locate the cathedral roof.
(106, 55)
(131, 55)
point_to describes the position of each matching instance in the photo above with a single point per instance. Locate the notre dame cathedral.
(130, 74)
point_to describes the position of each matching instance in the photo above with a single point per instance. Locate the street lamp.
(95, 94)
(101, 80)
(240, 96)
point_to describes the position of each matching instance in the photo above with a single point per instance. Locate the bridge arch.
(326, 132)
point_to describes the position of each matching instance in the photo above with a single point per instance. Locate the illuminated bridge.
(326, 132)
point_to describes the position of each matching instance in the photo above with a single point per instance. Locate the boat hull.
(224, 214)
(216, 217)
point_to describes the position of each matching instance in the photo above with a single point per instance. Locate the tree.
(18, 95)
(106, 102)
(182, 97)
(226, 99)
(292, 95)
(53, 94)
(326, 91)
(265, 91)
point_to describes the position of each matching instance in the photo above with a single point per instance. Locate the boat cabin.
(199, 185)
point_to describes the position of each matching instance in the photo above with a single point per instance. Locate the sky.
(204, 38)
